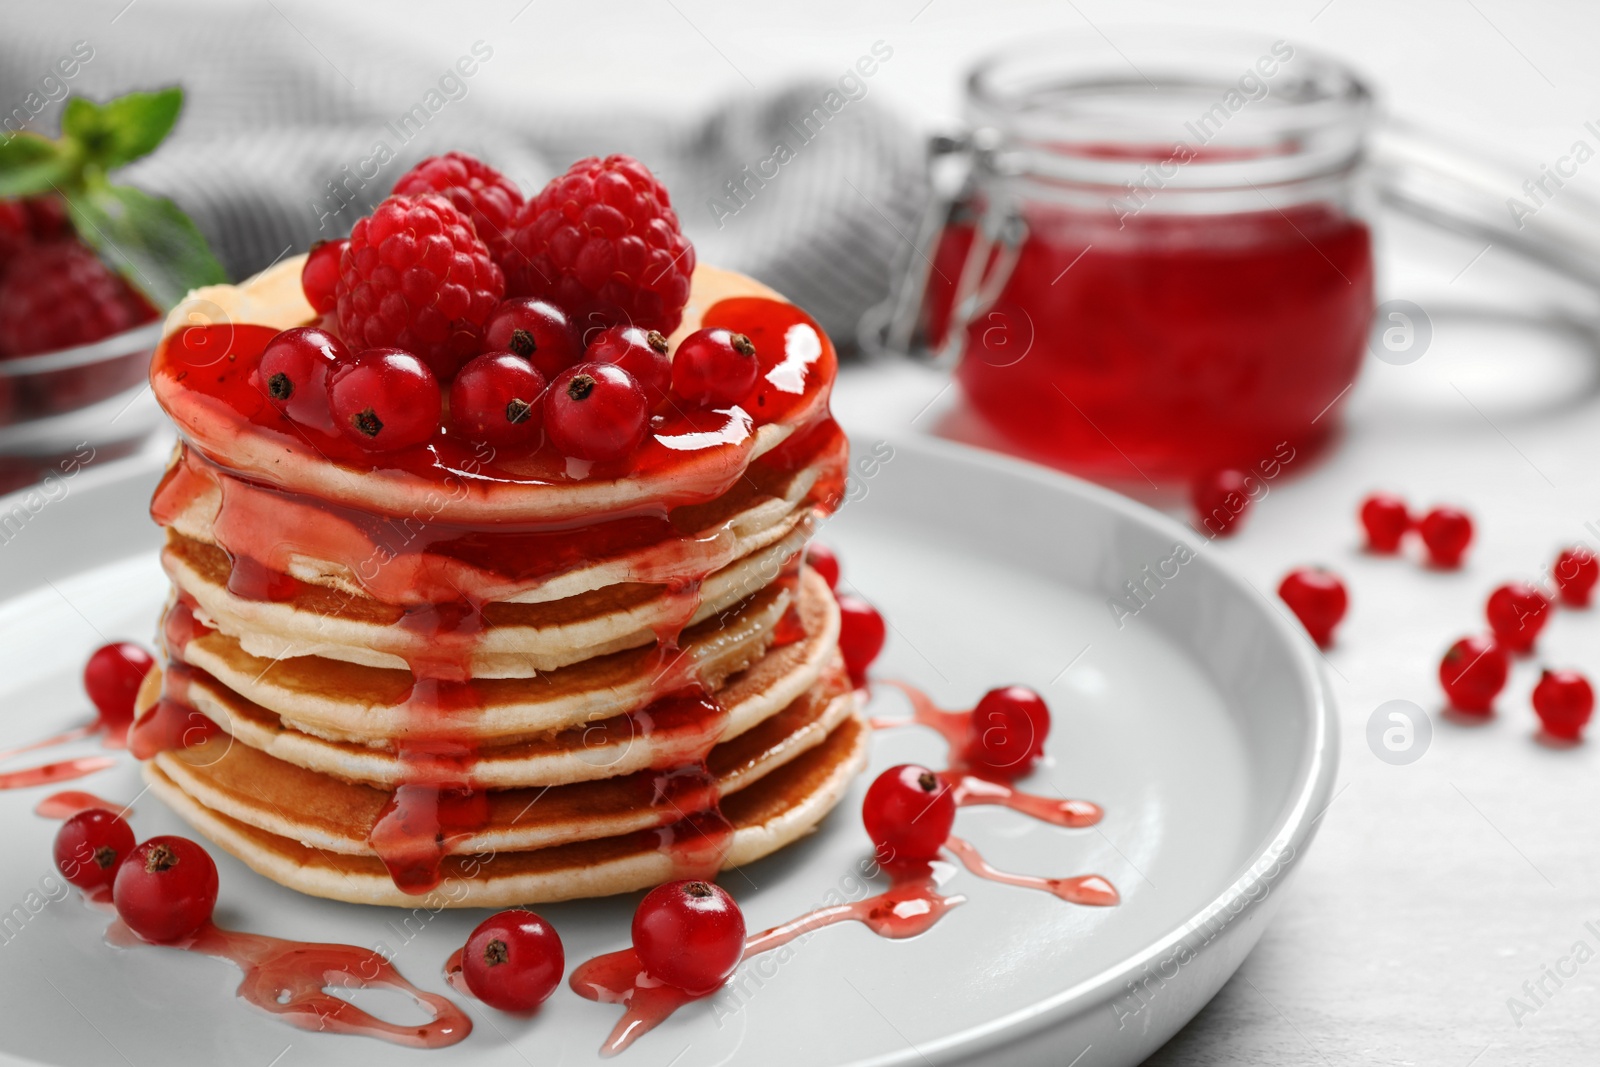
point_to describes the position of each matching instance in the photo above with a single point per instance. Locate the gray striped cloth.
(275, 148)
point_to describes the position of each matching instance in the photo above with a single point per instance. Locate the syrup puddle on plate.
(911, 905)
(291, 979)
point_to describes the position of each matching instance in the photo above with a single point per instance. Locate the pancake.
(447, 677)
(517, 640)
(607, 741)
(775, 811)
(323, 812)
(273, 299)
(317, 544)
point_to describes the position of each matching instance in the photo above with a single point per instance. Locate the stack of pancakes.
(370, 711)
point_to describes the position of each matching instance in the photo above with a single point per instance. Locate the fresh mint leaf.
(120, 131)
(30, 165)
(146, 238)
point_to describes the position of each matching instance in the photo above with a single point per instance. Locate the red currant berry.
(1576, 572)
(90, 845)
(640, 352)
(112, 678)
(1386, 520)
(714, 367)
(908, 813)
(165, 889)
(689, 934)
(861, 634)
(1221, 499)
(513, 961)
(498, 399)
(821, 559)
(294, 373)
(1447, 532)
(1473, 672)
(384, 399)
(535, 330)
(1007, 731)
(1317, 598)
(321, 273)
(1563, 701)
(1517, 612)
(595, 411)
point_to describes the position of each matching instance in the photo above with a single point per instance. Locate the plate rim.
(1294, 828)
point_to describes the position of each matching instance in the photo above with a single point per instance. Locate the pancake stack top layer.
(495, 679)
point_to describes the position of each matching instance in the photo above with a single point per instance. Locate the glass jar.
(1158, 261)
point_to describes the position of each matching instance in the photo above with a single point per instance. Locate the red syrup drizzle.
(65, 805)
(973, 789)
(290, 979)
(910, 906)
(173, 723)
(438, 806)
(113, 736)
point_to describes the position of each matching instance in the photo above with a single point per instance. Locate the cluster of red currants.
(1446, 532)
(536, 379)
(1476, 668)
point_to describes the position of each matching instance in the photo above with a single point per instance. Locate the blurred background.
(298, 118)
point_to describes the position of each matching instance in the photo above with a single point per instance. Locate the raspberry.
(60, 294)
(603, 242)
(478, 191)
(416, 277)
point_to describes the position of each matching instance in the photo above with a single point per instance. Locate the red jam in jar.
(1162, 269)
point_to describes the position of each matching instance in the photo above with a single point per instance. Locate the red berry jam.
(1168, 346)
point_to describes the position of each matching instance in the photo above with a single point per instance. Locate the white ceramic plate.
(1201, 724)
